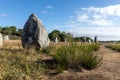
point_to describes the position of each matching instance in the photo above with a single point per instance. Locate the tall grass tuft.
(90, 60)
(94, 46)
(73, 55)
(114, 47)
(68, 55)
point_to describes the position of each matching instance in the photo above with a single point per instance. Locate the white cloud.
(109, 10)
(49, 6)
(103, 33)
(103, 22)
(48, 10)
(104, 16)
(96, 16)
(82, 17)
(44, 12)
(111, 33)
(3, 15)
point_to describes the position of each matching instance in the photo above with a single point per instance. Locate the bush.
(73, 55)
(95, 47)
(114, 47)
(90, 60)
(67, 56)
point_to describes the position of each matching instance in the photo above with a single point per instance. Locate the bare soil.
(109, 70)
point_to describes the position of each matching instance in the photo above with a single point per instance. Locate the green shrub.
(95, 47)
(50, 49)
(67, 56)
(60, 67)
(90, 60)
(73, 55)
(114, 47)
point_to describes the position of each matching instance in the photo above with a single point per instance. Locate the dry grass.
(17, 63)
(12, 44)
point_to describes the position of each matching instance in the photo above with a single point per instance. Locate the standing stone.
(89, 41)
(95, 39)
(6, 38)
(65, 41)
(56, 40)
(85, 39)
(34, 34)
(1, 40)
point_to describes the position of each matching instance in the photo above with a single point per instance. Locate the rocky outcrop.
(34, 34)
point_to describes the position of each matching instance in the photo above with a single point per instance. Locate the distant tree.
(19, 32)
(54, 34)
(69, 37)
(13, 29)
(82, 39)
(63, 36)
(60, 35)
(0, 29)
(6, 30)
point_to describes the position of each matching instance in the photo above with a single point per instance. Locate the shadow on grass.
(11, 50)
(50, 65)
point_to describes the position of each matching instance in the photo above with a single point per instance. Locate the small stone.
(89, 41)
(1, 40)
(65, 40)
(56, 40)
(6, 38)
(95, 39)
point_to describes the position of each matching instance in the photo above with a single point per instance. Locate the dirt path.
(109, 70)
(111, 63)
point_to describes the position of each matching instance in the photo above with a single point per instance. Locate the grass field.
(115, 47)
(17, 63)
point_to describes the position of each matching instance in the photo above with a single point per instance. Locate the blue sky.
(80, 17)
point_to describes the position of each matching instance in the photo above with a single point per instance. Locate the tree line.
(68, 36)
(10, 30)
(62, 36)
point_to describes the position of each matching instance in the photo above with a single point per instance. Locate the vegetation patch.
(114, 47)
(74, 55)
(19, 65)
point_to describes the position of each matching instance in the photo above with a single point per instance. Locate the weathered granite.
(34, 34)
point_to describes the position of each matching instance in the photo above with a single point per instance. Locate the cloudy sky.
(80, 17)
